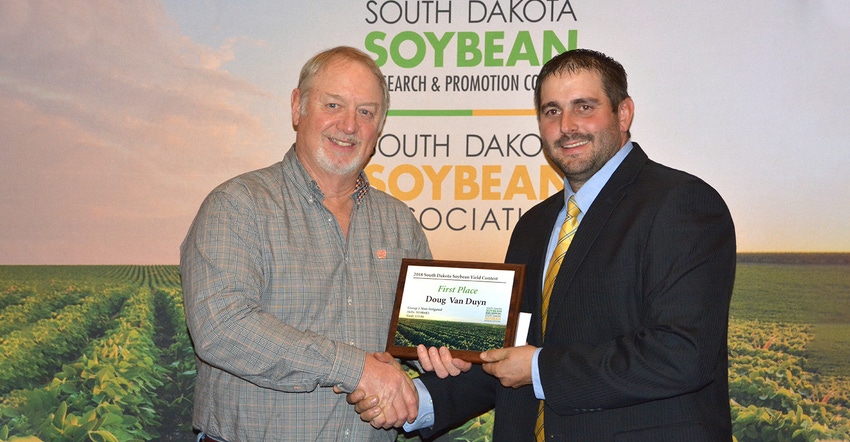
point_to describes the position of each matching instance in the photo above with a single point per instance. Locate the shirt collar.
(361, 188)
(590, 190)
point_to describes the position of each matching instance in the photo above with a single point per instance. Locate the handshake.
(387, 398)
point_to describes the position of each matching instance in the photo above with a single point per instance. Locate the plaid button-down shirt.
(281, 306)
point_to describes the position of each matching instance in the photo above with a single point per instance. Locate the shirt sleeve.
(425, 418)
(223, 278)
(535, 376)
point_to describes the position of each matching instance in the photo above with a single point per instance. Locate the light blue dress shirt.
(584, 199)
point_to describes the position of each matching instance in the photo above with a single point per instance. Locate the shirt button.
(350, 301)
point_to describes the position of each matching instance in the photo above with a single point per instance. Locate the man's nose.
(348, 122)
(568, 123)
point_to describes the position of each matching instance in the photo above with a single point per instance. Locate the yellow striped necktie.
(565, 237)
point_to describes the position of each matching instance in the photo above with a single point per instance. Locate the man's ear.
(295, 102)
(626, 113)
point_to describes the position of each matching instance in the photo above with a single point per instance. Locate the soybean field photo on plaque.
(452, 334)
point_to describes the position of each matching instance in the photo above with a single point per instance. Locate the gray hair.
(322, 59)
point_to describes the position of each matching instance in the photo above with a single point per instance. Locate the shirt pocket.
(386, 263)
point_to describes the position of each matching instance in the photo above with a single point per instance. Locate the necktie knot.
(572, 208)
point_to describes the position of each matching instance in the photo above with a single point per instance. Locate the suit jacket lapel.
(591, 226)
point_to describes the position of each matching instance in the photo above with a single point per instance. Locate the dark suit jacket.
(635, 347)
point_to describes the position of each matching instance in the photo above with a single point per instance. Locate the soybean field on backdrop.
(102, 352)
(94, 353)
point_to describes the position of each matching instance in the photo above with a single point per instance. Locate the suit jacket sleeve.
(458, 399)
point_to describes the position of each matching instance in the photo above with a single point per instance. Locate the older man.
(289, 274)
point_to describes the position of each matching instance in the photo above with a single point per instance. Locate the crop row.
(30, 308)
(30, 354)
(178, 358)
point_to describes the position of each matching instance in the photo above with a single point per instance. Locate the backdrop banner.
(118, 118)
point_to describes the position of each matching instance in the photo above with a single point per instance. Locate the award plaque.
(468, 307)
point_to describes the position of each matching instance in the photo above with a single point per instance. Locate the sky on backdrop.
(117, 118)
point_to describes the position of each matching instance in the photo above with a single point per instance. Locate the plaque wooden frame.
(463, 288)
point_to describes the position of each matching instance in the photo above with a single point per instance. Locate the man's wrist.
(425, 418)
(535, 375)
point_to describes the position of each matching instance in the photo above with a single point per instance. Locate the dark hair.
(612, 73)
